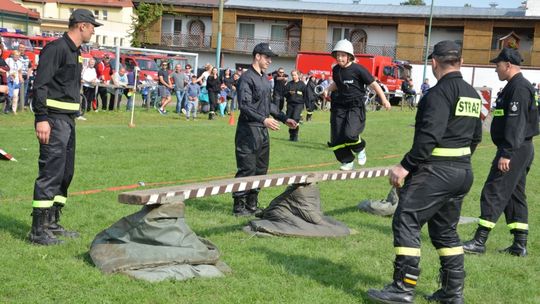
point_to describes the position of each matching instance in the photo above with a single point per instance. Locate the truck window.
(388, 71)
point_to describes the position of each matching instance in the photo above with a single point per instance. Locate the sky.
(474, 3)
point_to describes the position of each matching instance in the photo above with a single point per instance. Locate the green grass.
(265, 270)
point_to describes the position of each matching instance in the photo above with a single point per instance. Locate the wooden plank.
(177, 193)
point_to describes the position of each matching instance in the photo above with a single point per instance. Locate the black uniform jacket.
(255, 99)
(57, 84)
(448, 117)
(515, 117)
(295, 92)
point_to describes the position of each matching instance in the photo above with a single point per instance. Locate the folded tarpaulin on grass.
(297, 212)
(6, 156)
(156, 244)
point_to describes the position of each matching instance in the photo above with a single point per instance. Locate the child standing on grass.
(193, 91)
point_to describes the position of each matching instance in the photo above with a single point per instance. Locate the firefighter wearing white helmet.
(348, 114)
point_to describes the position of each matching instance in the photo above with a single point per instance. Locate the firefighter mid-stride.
(437, 175)
(515, 123)
(57, 96)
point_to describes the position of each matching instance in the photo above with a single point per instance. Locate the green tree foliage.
(146, 14)
(413, 2)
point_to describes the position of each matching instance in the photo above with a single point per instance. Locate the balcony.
(287, 48)
(381, 50)
(187, 41)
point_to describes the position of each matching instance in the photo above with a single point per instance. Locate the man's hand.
(386, 104)
(397, 175)
(504, 164)
(271, 124)
(291, 123)
(43, 131)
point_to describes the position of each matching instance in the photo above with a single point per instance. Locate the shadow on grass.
(385, 229)
(209, 232)
(322, 270)
(304, 144)
(18, 229)
(86, 258)
(208, 205)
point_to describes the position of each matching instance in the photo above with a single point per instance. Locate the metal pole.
(428, 40)
(220, 26)
(131, 124)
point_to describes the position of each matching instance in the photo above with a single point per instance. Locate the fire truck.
(390, 72)
(11, 41)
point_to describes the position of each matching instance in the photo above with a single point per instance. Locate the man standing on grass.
(56, 103)
(252, 142)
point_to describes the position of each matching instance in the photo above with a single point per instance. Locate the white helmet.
(343, 46)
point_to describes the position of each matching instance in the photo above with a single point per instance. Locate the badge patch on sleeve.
(513, 109)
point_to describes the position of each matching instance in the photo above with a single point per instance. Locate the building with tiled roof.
(15, 17)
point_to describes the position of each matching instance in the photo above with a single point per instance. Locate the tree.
(145, 15)
(413, 2)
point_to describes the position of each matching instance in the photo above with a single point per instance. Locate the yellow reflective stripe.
(407, 251)
(467, 106)
(498, 112)
(522, 226)
(60, 199)
(80, 59)
(451, 151)
(409, 281)
(486, 224)
(51, 103)
(450, 251)
(334, 148)
(42, 204)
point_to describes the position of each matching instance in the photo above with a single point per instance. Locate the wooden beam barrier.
(173, 194)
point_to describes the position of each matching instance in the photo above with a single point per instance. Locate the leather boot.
(39, 233)
(239, 206)
(308, 117)
(54, 227)
(211, 115)
(451, 291)
(478, 244)
(401, 290)
(252, 204)
(519, 246)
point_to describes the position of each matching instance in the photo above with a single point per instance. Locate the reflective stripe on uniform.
(450, 251)
(334, 148)
(42, 204)
(51, 103)
(498, 112)
(407, 251)
(522, 226)
(451, 151)
(60, 199)
(486, 224)
(467, 106)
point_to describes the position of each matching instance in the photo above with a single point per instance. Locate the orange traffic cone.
(231, 119)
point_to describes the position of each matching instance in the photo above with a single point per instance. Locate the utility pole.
(428, 40)
(220, 26)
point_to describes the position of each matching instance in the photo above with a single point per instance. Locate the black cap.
(446, 48)
(264, 49)
(83, 15)
(508, 55)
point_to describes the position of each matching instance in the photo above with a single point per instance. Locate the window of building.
(96, 14)
(177, 26)
(104, 42)
(278, 32)
(115, 40)
(336, 34)
(97, 39)
(246, 30)
(121, 41)
(105, 14)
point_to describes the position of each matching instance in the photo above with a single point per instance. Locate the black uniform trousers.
(90, 95)
(103, 92)
(212, 98)
(433, 194)
(56, 161)
(506, 191)
(279, 100)
(346, 125)
(252, 149)
(294, 111)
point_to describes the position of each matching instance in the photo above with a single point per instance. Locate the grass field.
(163, 150)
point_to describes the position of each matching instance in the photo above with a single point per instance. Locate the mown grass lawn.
(164, 150)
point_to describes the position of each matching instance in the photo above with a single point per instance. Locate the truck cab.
(147, 66)
(11, 41)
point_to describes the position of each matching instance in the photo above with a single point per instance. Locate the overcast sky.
(474, 3)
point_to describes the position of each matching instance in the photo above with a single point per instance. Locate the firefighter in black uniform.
(348, 114)
(295, 92)
(438, 174)
(515, 123)
(278, 93)
(311, 96)
(56, 102)
(252, 142)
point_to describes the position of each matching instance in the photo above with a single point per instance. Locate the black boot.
(239, 206)
(39, 233)
(308, 116)
(451, 291)
(478, 244)
(519, 246)
(54, 227)
(252, 204)
(211, 115)
(401, 290)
